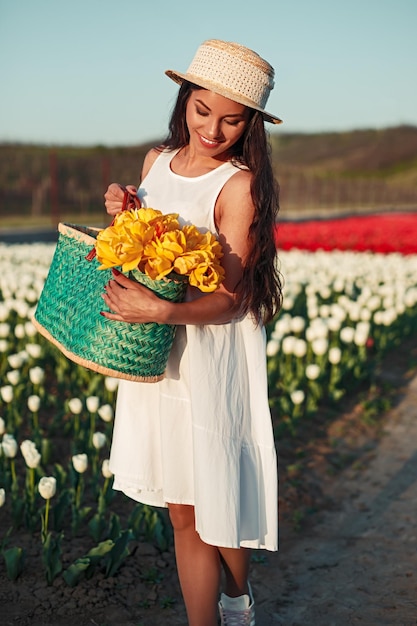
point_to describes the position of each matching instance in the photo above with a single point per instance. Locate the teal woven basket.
(68, 314)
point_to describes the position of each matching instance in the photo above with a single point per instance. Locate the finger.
(111, 316)
(122, 280)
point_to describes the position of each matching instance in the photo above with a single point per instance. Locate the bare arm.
(234, 213)
(114, 194)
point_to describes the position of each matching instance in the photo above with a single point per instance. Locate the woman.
(200, 441)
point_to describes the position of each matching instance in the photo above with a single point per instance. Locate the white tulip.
(34, 350)
(335, 355)
(34, 402)
(378, 319)
(106, 412)
(324, 310)
(21, 308)
(319, 346)
(2, 426)
(300, 348)
(15, 361)
(99, 440)
(36, 375)
(6, 393)
(47, 487)
(365, 315)
(4, 346)
(325, 292)
(105, 469)
(92, 403)
(2, 497)
(111, 383)
(4, 330)
(374, 303)
(312, 371)
(80, 462)
(297, 324)
(288, 344)
(30, 453)
(272, 347)
(75, 406)
(347, 334)
(4, 310)
(338, 312)
(297, 396)
(30, 329)
(334, 324)
(19, 331)
(9, 446)
(13, 377)
(287, 303)
(354, 311)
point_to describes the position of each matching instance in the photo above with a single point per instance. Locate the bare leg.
(198, 566)
(236, 563)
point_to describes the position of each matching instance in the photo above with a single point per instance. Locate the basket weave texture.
(68, 314)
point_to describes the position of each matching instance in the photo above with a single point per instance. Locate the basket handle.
(127, 204)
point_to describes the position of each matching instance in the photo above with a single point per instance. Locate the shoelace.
(237, 618)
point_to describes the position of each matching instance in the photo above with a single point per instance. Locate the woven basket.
(68, 314)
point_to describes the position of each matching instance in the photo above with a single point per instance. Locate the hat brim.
(178, 78)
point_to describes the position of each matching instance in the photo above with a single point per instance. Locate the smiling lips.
(209, 142)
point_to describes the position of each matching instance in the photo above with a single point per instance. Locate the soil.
(348, 532)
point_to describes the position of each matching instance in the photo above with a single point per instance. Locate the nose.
(213, 129)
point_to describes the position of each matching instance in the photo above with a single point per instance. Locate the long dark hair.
(260, 287)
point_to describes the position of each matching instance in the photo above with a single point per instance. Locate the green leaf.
(61, 508)
(14, 559)
(97, 526)
(76, 572)
(118, 553)
(114, 527)
(101, 549)
(51, 556)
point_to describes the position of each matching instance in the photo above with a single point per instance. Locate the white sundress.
(203, 435)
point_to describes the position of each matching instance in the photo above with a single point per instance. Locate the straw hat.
(232, 71)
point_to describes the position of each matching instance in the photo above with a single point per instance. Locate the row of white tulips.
(342, 311)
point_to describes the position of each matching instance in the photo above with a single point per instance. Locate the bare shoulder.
(150, 159)
(235, 196)
(240, 181)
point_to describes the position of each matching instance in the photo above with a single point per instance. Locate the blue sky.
(91, 72)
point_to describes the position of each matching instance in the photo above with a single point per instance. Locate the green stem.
(45, 522)
(35, 422)
(92, 427)
(32, 483)
(13, 473)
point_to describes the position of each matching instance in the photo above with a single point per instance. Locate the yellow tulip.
(154, 243)
(206, 277)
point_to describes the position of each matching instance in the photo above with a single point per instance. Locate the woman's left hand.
(131, 302)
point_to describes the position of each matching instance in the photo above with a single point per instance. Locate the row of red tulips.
(382, 233)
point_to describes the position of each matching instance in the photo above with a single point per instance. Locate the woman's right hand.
(114, 197)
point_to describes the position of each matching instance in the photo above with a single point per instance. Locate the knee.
(181, 516)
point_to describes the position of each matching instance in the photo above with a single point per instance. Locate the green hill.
(331, 172)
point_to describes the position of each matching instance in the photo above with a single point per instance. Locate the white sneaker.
(237, 611)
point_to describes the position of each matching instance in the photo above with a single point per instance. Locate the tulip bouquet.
(146, 240)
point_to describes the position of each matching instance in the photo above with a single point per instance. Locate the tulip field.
(346, 303)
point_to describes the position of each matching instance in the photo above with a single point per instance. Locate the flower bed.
(342, 311)
(384, 233)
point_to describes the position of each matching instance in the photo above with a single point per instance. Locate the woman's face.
(215, 123)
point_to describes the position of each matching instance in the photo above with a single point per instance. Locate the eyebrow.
(227, 115)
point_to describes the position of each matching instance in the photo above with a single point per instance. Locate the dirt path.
(358, 563)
